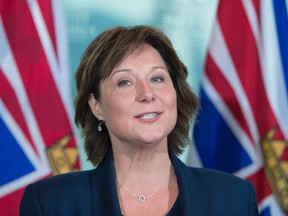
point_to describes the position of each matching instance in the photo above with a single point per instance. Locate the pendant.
(141, 198)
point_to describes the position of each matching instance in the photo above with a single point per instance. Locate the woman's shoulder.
(208, 177)
(216, 181)
(58, 195)
(221, 192)
(214, 174)
(62, 182)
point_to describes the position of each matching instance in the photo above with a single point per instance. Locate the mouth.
(148, 116)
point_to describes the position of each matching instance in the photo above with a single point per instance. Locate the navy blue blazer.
(202, 192)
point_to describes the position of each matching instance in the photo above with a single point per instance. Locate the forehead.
(145, 54)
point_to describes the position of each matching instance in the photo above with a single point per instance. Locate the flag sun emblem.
(62, 159)
(276, 166)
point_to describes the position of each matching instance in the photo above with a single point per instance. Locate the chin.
(154, 140)
(152, 137)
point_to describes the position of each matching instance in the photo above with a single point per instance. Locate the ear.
(95, 107)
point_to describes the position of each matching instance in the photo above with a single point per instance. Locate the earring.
(100, 126)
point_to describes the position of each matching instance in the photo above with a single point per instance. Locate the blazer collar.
(191, 202)
(103, 188)
(104, 191)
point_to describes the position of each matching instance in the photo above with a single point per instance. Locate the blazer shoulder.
(64, 181)
(66, 186)
(58, 195)
(215, 192)
(222, 191)
(226, 187)
(215, 174)
(219, 179)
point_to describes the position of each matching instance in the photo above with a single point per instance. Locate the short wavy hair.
(102, 55)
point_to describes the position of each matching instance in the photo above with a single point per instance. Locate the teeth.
(148, 116)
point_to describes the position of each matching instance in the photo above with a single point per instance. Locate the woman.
(135, 109)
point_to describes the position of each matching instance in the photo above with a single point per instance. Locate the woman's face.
(138, 101)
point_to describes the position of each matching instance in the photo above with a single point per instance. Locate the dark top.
(175, 210)
(86, 193)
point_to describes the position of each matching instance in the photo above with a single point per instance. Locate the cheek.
(173, 104)
(116, 106)
(170, 98)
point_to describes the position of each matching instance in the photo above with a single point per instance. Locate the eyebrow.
(127, 69)
(121, 70)
(160, 67)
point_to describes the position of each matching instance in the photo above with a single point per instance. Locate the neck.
(140, 171)
(146, 181)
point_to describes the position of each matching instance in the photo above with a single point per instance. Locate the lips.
(148, 116)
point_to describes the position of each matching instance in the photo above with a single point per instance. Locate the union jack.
(242, 127)
(37, 136)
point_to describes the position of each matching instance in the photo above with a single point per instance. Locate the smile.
(148, 116)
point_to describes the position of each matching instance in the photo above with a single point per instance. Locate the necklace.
(141, 198)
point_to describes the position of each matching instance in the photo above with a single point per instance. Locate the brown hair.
(105, 52)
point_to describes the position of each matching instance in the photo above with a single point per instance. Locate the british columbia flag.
(37, 136)
(242, 127)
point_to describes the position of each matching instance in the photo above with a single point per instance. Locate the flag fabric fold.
(242, 127)
(37, 136)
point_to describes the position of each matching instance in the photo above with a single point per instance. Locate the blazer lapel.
(104, 193)
(103, 189)
(189, 192)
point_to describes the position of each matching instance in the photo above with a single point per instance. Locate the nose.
(145, 93)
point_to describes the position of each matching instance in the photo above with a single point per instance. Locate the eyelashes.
(128, 82)
(157, 79)
(124, 83)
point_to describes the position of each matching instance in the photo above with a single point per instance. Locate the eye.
(157, 79)
(123, 83)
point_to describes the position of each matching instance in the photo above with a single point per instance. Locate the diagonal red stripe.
(226, 92)
(243, 50)
(9, 98)
(36, 75)
(46, 9)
